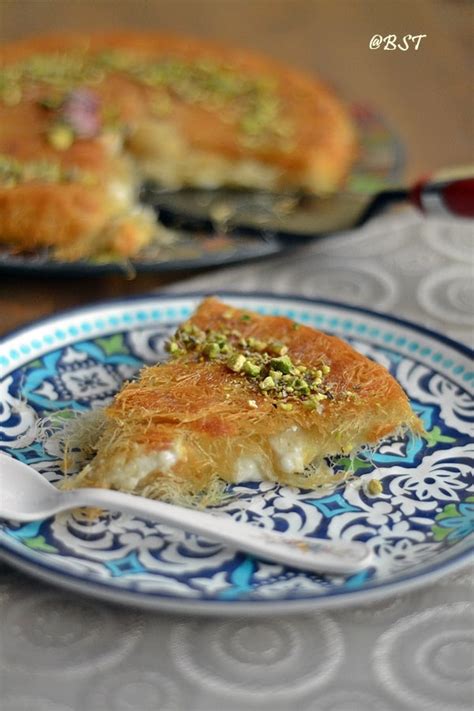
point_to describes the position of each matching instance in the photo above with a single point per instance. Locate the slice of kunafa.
(244, 397)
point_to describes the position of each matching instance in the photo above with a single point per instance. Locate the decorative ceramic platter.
(418, 527)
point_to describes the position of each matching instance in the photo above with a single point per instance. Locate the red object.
(459, 197)
(455, 197)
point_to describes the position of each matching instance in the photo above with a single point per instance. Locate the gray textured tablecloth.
(61, 652)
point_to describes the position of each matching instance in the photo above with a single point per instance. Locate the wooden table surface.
(424, 94)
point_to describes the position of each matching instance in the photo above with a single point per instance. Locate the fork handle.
(318, 555)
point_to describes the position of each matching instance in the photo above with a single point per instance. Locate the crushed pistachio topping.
(267, 365)
(14, 172)
(253, 100)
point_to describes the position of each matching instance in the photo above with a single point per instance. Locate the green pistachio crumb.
(277, 348)
(172, 347)
(256, 345)
(211, 350)
(246, 317)
(302, 386)
(374, 487)
(50, 103)
(251, 369)
(283, 364)
(268, 383)
(254, 103)
(267, 366)
(236, 362)
(61, 136)
(14, 172)
(276, 375)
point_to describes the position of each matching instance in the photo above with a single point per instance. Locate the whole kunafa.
(86, 119)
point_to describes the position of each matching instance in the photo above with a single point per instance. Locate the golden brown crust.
(193, 393)
(319, 157)
(322, 122)
(63, 217)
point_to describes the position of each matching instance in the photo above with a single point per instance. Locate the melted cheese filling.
(164, 155)
(292, 450)
(156, 150)
(135, 469)
(249, 468)
(291, 454)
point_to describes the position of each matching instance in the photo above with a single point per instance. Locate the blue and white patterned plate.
(419, 527)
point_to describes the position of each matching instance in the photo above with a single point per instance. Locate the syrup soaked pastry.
(244, 397)
(85, 120)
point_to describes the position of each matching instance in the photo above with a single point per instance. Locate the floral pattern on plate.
(421, 521)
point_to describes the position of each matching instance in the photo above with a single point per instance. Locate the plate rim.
(344, 598)
(275, 247)
(229, 608)
(232, 293)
